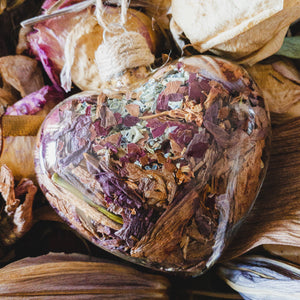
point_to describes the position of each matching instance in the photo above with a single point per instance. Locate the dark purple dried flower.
(198, 145)
(130, 120)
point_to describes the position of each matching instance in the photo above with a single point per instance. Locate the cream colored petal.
(249, 55)
(262, 40)
(246, 33)
(209, 23)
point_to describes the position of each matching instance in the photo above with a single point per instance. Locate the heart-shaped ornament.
(163, 174)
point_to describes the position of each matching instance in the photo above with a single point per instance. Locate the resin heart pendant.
(160, 175)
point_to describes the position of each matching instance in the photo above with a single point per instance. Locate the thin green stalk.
(66, 185)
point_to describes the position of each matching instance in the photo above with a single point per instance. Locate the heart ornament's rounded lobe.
(163, 174)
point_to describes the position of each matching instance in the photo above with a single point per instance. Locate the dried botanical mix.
(77, 276)
(163, 174)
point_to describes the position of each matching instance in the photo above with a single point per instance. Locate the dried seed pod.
(75, 276)
(163, 174)
(258, 277)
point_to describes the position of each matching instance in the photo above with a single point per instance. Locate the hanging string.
(111, 27)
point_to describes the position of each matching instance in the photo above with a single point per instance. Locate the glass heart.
(161, 175)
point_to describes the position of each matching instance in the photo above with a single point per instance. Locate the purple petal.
(34, 102)
(130, 120)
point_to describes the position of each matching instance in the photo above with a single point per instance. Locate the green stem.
(66, 185)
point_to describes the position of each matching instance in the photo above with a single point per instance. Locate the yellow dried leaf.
(76, 276)
(18, 217)
(18, 155)
(275, 216)
(288, 252)
(279, 92)
(287, 69)
(20, 73)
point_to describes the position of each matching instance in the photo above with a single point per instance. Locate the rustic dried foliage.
(75, 276)
(274, 218)
(16, 217)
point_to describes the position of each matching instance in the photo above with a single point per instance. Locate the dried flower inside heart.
(161, 174)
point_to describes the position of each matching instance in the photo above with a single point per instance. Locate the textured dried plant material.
(6, 97)
(280, 85)
(257, 277)
(25, 125)
(288, 252)
(65, 207)
(22, 45)
(18, 216)
(177, 33)
(121, 52)
(287, 69)
(9, 4)
(17, 154)
(18, 135)
(158, 10)
(275, 217)
(239, 17)
(20, 73)
(75, 276)
(249, 31)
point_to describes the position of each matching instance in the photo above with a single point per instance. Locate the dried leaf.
(280, 93)
(258, 277)
(21, 73)
(78, 276)
(23, 216)
(41, 100)
(287, 69)
(23, 45)
(7, 190)
(16, 151)
(9, 4)
(6, 97)
(17, 219)
(275, 216)
(290, 253)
